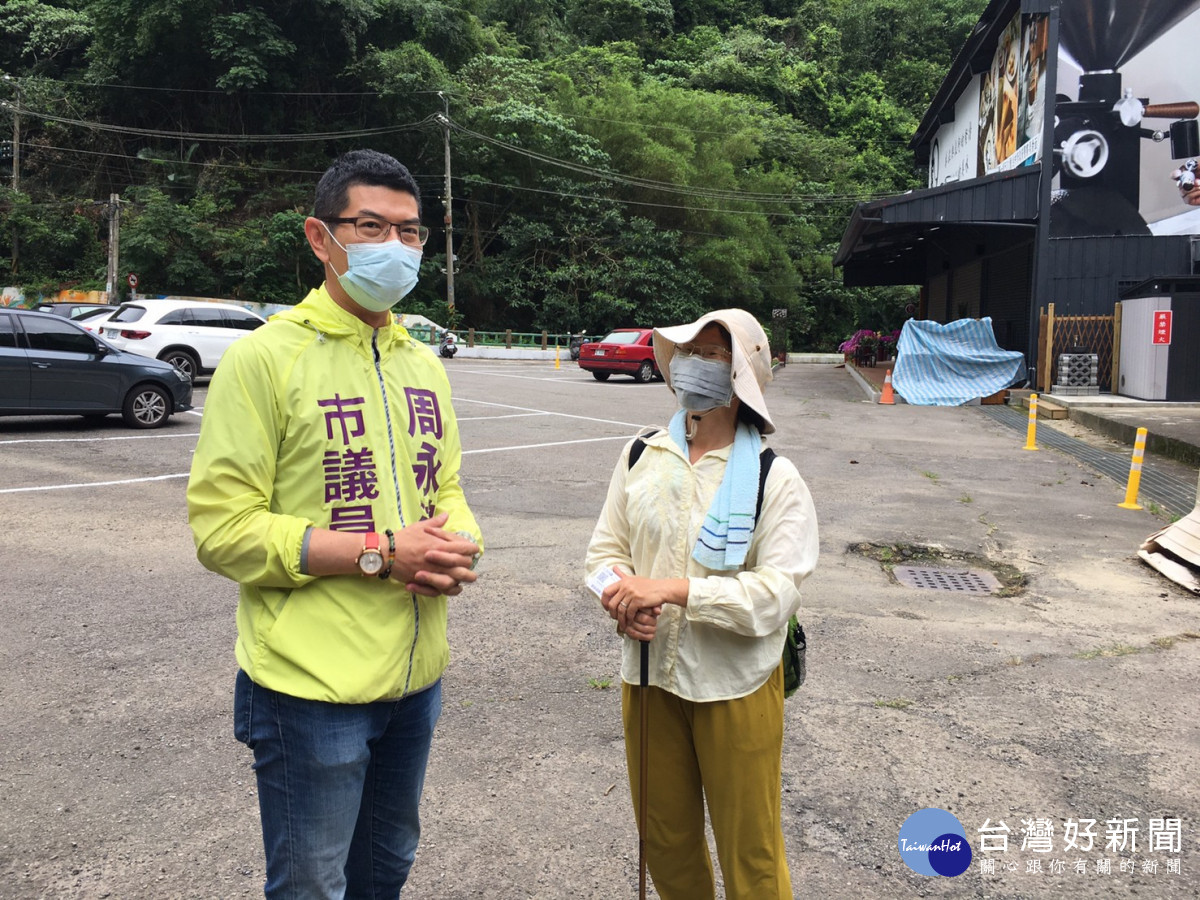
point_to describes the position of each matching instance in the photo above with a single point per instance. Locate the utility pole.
(114, 245)
(16, 140)
(446, 200)
(16, 163)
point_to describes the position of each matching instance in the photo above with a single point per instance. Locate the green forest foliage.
(614, 162)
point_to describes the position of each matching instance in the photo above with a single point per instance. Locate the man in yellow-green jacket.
(326, 483)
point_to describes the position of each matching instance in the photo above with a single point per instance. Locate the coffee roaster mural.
(1125, 117)
(1012, 97)
(998, 116)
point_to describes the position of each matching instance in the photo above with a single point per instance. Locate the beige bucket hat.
(751, 355)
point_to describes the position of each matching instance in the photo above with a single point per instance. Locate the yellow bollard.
(556, 364)
(1135, 471)
(1031, 431)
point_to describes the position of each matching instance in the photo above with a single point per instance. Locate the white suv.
(189, 334)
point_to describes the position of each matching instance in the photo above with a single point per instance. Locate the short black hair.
(750, 417)
(368, 167)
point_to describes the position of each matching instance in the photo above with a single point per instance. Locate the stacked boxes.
(1077, 374)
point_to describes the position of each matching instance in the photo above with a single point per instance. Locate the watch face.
(371, 562)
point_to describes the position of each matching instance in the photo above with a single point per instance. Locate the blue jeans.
(338, 789)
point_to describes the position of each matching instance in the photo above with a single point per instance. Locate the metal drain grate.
(961, 580)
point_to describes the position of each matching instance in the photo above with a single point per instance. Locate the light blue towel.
(725, 535)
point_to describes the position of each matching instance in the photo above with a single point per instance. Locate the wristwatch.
(370, 561)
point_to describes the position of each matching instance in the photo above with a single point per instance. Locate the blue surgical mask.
(701, 384)
(377, 276)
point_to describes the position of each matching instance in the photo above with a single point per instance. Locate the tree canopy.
(614, 162)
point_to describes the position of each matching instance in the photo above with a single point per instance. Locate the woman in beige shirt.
(710, 587)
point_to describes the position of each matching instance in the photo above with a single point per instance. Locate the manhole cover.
(962, 580)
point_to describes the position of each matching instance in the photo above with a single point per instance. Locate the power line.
(227, 138)
(465, 97)
(578, 168)
(471, 182)
(646, 183)
(737, 196)
(724, 196)
(174, 162)
(231, 94)
(738, 212)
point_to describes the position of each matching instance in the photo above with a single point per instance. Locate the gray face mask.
(701, 384)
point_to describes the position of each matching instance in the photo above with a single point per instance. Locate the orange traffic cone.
(887, 396)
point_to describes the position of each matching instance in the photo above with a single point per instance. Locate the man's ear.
(318, 237)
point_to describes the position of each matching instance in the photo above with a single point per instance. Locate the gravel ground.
(1072, 698)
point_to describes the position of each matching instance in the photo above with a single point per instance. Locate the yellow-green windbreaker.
(316, 419)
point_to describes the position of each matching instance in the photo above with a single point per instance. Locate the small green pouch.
(793, 657)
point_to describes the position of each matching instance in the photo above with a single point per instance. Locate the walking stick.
(642, 792)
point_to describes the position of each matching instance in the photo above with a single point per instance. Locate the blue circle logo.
(933, 842)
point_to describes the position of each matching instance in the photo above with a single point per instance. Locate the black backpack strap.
(638, 445)
(764, 468)
(635, 451)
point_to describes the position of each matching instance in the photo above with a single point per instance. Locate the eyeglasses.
(375, 230)
(705, 351)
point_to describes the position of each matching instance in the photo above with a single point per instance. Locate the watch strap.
(370, 545)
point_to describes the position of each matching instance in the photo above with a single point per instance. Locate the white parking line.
(552, 413)
(91, 484)
(617, 437)
(87, 440)
(523, 412)
(511, 416)
(500, 373)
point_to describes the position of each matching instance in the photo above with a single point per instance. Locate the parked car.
(51, 366)
(625, 351)
(74, 309)
(93, 319)
(189, 334)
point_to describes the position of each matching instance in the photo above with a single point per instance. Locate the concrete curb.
(825, 359)
(480, 352)
(1125, 433)
(868, 388)
(873, 393)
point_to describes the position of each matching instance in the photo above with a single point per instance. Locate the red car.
(625, 351)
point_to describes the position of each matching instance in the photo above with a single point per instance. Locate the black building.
(1006, 229)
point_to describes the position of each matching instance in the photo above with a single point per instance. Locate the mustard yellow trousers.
(730, 752)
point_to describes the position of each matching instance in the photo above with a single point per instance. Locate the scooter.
(449, 345)
(577, 341)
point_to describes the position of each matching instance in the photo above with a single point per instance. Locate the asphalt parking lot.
(1071, 698)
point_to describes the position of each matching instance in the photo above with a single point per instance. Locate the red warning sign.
(1162, 326)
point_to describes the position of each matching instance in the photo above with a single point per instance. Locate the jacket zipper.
(387, 414)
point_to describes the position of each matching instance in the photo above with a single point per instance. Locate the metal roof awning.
(888, 241)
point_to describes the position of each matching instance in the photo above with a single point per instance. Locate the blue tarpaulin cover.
(952, 364)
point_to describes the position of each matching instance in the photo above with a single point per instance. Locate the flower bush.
(864, 338)
(888, 342)
(871, 344)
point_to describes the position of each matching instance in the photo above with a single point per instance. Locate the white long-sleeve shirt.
(729, 638)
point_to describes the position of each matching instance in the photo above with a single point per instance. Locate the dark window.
(76, 312)
(59, 336)
(239, 319)
(176, 317)
(128, 313)
(8, 337)
(622, 337)
(207, 318)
